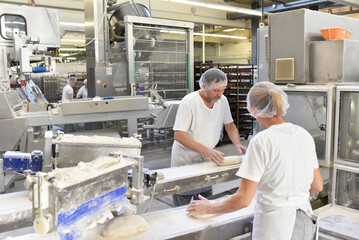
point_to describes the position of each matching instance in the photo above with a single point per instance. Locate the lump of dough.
(231, 160)
(125, 226)
(203, 216)
(160, 175)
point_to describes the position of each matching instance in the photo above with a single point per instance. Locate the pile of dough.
(160, 175)
(125, 226)
(231, 160)
(203, 216)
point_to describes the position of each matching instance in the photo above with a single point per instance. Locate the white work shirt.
(82, 92)
(201, 123)
(282, 160)
(65, 93)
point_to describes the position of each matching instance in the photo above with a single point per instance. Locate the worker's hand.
(215, 156)
(241, 149)
(199, 207)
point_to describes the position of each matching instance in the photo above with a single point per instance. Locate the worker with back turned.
(281, 165)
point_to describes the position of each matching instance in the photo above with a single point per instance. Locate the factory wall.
(236, 53)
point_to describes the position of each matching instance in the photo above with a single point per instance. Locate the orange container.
(335, 33)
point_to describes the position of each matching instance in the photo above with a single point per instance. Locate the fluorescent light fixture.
(195, 3)
(73, 40)
(173, 32)
(220, 7)
(75, 24)
(232, 29)
(220, 35)
(72, 49)
(71, 58)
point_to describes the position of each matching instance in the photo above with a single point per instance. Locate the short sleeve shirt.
(282, 160)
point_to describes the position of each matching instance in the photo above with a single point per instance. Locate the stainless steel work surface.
(194, 176)
(165, 224)
(15, 211)
(111, 105)
(174, 173)
(339, 221)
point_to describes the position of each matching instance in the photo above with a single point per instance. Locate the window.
(12, 23)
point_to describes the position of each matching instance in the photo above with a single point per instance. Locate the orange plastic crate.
(335, 33)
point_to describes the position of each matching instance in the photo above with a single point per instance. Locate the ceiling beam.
(294, 5)
(351, 3)
(63, 4)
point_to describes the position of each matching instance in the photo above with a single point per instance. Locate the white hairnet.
(212, 78)
(266, 100)
(71, 79)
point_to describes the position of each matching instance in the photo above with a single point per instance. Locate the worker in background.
(82, 93)
(68, 91)
(281, 163)
(198, 126)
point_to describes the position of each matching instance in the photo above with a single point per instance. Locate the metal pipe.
(262, 7)
(203, 44)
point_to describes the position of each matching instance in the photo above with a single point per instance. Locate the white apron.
(182, 156)
(276, 223)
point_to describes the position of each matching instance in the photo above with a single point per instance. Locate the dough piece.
(125, 226)
(160, 175)
(231, 160)
(204, 216)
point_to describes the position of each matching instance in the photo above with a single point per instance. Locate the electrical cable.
(152, 195)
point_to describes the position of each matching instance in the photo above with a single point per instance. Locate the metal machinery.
(71, 208)
(130, 53)
(306, 63)
(340, 219)
(25, 47)
(136, 52)
(315, 74)
(128, 61)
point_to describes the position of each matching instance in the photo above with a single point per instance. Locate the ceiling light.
(232, 29)
(76, 24)
(72, 49)
(71, 58)
(220, 35)
(220, 7)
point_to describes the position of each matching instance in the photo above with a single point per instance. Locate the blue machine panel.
(16, 161)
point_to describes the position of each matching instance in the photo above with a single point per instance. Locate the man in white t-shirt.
(68, 91)
(199, 122)
(82, 93)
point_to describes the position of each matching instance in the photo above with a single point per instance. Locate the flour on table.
(205, 216)
(125, 226)
(99, 139)
(83, 171)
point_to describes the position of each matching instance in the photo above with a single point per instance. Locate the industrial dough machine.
(53, 209)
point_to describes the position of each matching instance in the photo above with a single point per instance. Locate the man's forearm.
(184, 139)
(233, 133)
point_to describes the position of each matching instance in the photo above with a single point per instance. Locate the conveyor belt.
(170, 224)
(15, 211)
(189, 177)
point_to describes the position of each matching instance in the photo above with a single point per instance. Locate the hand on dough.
(241, 149)
(199, 207)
